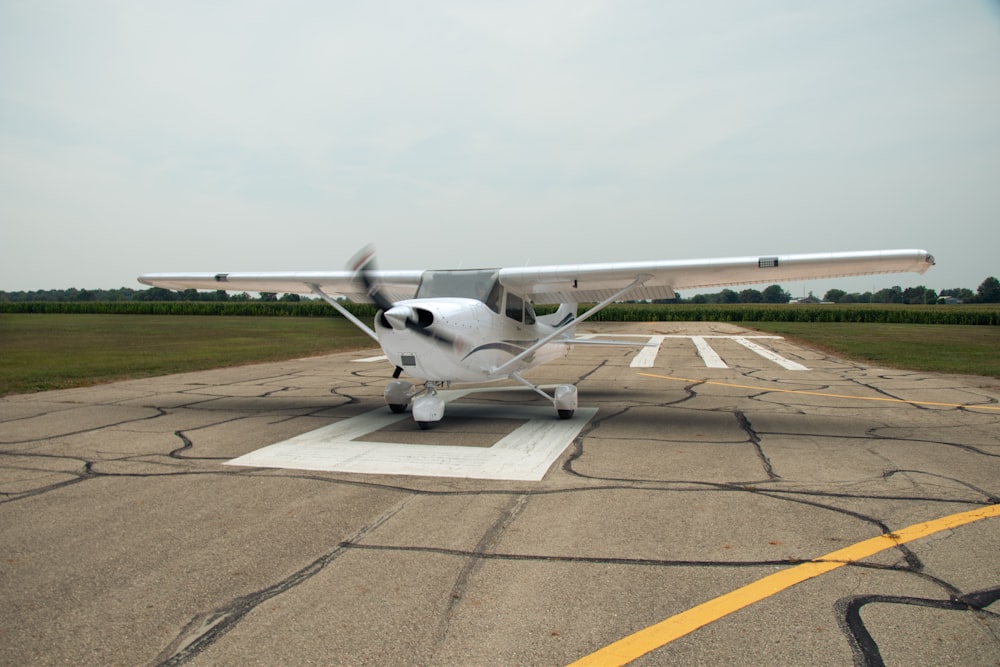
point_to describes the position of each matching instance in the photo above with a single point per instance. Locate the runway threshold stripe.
(646, 357)
(970, 406)
(787, 364)
(655, 636)
(707, 354)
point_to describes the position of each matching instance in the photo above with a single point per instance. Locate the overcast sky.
(247, 136)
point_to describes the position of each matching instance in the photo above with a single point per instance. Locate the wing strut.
(640, 279)
(343, 311)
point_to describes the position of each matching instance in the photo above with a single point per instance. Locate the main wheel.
(397, 395)
(565, 400)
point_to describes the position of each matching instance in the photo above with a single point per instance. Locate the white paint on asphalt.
(647, 356)
(368, 360)
(708, 353)
(768, 354)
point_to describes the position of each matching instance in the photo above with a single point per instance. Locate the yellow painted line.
(642, 642)
(825, 394)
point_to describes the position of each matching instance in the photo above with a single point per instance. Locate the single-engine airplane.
(453, 326)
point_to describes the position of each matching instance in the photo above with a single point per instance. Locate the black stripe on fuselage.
(511, 348)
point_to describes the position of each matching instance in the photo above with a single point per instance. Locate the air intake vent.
(767, 262)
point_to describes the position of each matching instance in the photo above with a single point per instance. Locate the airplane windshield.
(479, 284)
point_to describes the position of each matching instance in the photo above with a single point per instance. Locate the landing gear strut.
(563, 398)
(428, 406)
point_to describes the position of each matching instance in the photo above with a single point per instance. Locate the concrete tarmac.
(688, 509)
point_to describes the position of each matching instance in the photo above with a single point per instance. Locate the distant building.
(805, 299)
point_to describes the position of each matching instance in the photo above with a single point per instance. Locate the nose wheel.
(428, 407)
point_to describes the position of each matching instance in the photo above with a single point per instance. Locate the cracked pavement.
(125, 540)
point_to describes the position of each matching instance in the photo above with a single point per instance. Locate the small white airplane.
(441, 327)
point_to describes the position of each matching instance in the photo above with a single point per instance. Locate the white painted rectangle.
(525, 454)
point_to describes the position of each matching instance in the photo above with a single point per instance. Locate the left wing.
(397, 285)
(587, 283)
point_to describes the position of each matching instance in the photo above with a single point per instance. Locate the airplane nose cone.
(397, 316)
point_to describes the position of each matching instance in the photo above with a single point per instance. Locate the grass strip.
(938, 348)
(42, 352)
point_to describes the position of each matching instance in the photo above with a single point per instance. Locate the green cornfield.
(987, 314)
(980, 314)
(235, 309)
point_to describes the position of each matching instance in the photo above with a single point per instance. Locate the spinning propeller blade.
(363, 264)
(415, 319)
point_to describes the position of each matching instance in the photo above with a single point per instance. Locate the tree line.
(73, 295)
(987, 292)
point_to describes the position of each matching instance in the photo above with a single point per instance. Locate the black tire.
(397, 407)
(565, 414)
(424, 425)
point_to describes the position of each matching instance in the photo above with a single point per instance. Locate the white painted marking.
(368, 360)
(647, 355)
(624, 335)
(730, 336)
(708, 355)
(524, 455)
(769, 355)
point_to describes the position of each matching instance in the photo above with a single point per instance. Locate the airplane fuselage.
(452, 339)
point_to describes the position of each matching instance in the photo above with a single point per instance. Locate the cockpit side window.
(519, 310)
(515, 307)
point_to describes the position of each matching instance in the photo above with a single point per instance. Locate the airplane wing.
(397, 285)
(577, 283)
(585, 283)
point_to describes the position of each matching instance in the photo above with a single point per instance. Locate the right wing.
(587, 283)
